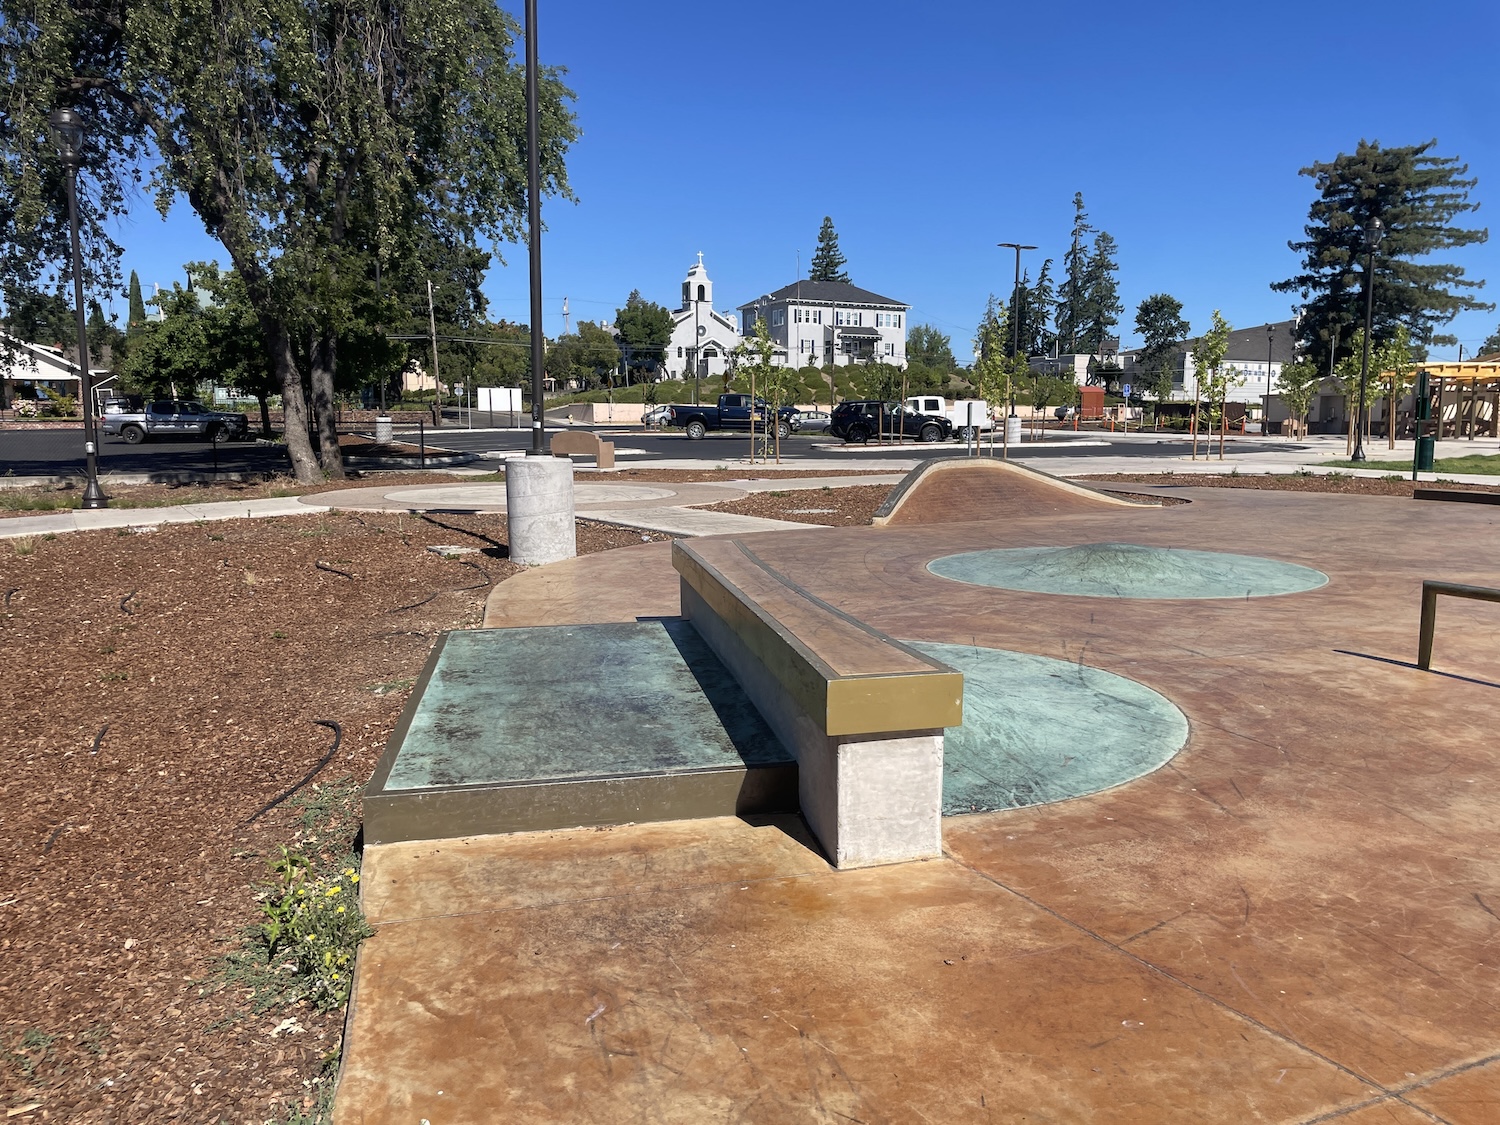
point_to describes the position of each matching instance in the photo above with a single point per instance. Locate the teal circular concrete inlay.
(1127, 570)
(1038, 730)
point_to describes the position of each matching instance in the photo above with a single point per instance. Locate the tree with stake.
(1393, 373)
(1208, 360)
(1298, 387)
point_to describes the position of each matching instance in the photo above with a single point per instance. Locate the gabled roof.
(829, 293)
(33, 360)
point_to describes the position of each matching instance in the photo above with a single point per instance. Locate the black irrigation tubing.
(124, 608)
(99, 738)
(487, 581)
(334, 570)
(12, 592)
(52, 839)
(338, 737)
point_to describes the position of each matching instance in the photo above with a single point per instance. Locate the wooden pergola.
(1465, 397)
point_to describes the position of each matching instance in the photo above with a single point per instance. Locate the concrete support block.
(385, 431)
(870, 799)
(539, 510)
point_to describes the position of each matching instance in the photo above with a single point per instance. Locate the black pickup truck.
(732, 413)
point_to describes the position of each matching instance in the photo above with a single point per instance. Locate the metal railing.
(1430, 592)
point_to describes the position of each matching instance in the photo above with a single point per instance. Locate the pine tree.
(137, 307)
(1070, 302)
(1492, 345)
(827, 262)
(1159, 321)
(1101, 300)
(1039, 300)
(1417, 196)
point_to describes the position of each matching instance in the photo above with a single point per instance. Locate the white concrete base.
(539, 510)
(385, 431)
(870, 799)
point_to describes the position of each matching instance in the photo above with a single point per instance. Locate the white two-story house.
(818, 322)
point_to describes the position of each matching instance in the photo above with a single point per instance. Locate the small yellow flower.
(331, 891)
(340, 910)
(310, 937)
(354, 878)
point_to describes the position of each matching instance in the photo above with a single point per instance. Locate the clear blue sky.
(929, 132)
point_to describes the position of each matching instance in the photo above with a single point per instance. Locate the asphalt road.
(55, 453)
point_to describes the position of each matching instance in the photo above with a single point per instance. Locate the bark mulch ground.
(1293, 482)
(831, 507)
(160, 688)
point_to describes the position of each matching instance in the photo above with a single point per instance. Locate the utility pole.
(437, 384)
(565, 316)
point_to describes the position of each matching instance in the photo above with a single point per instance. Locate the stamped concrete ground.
(1293, 920)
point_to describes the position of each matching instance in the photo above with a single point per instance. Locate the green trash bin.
(1426, 450)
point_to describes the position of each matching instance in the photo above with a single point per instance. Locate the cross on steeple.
(700, 257)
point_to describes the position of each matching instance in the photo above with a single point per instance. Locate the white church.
(699, 331)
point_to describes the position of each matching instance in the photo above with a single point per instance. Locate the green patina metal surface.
(1127, 570)
(1038, 730)
(563, 702)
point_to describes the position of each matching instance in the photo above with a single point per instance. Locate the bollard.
(422, 439)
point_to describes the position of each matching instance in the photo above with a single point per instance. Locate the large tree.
(312, 140)
(1492, 345)
(1159, 321)
(137, 316)
(828, 260)
(1101, 308)
(1038, 301)
(930, 349)
(1072, 298)
(645, 330)
(1418, 196)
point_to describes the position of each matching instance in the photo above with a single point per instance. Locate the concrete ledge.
(862, 713)
(1008, 476)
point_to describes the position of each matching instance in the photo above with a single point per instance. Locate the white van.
(963, 413)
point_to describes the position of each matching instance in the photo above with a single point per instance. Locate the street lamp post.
(1265, 412)
(1374, 232)
(1015, 347)
(534, 230)
(68, 134)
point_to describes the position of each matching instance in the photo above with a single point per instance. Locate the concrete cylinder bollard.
(1013, 430)
(539, 509)
(384, 432)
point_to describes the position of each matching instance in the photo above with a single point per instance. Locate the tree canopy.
(645, 330)
(314, 141)
(1418, 196)
(1159, 321)
(1492, 345)
(828, 261)
(928, 348)
(1088, 304)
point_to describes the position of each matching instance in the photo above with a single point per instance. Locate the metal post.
(93, 495)
(422, 439)
(1374, 231)
(437, 384)
(1265, 414)
(534, 229)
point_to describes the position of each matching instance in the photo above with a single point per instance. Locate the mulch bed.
(831, 507)
(160, 688)
(1294, 482)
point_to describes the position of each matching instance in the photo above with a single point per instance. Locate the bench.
(570, 443)
(1430, 592)
(862, 713)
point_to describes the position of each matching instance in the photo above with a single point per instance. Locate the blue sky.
(929, 132)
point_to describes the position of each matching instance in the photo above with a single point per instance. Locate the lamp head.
(1374, 233)
(67, 135)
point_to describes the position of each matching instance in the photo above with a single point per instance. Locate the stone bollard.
(384, 432)
(539, 509)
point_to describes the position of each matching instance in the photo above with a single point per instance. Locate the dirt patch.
(160, 688)
(1294, 482)
(831, 507)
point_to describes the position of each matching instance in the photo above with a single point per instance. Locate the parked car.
(1063, 413)
(810, 422)
(173, 418)
(970, 416)
(657, 415)
(732, 413)
(862, 419)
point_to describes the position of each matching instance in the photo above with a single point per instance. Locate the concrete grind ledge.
(862, 713)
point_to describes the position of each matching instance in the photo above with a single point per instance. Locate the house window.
(778, 317)
(890, 349)
(679, 353)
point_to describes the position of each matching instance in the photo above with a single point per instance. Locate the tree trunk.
(1223, 423)
(324, 356)
(1194, 427)
(265, 413)
(293, 402)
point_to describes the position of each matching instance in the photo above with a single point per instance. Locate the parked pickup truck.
(732, 413)
(964, 414)
(169, 418)
(863, 419)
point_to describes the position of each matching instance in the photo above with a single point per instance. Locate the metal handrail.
(1430, 592)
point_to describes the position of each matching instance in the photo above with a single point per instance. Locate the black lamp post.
(1374, 232)
(68, 134)
(1015, 316)
(1265, 413)
(534, 231)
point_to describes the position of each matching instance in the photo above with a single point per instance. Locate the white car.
(810, 422)
(656, 415)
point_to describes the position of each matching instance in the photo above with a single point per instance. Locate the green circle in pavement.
(1038, 730)
(1127, 570)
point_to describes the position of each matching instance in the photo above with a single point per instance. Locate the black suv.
(863, 419)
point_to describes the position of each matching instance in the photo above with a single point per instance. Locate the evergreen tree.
(1071, 316)
(1038, 302)
(1492, 345)
(645, 330)
(137, 307)
(1159, 321)
(828, 262)
(1417, 196)
(1101, 300)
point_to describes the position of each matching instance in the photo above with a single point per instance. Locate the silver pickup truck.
(170, 418)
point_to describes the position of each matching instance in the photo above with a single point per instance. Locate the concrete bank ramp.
(962, 489)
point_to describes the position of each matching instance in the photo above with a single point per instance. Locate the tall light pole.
(68, 134)
(534, 229)
(1374, 232)
(1265, 413)
(1015, 346)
